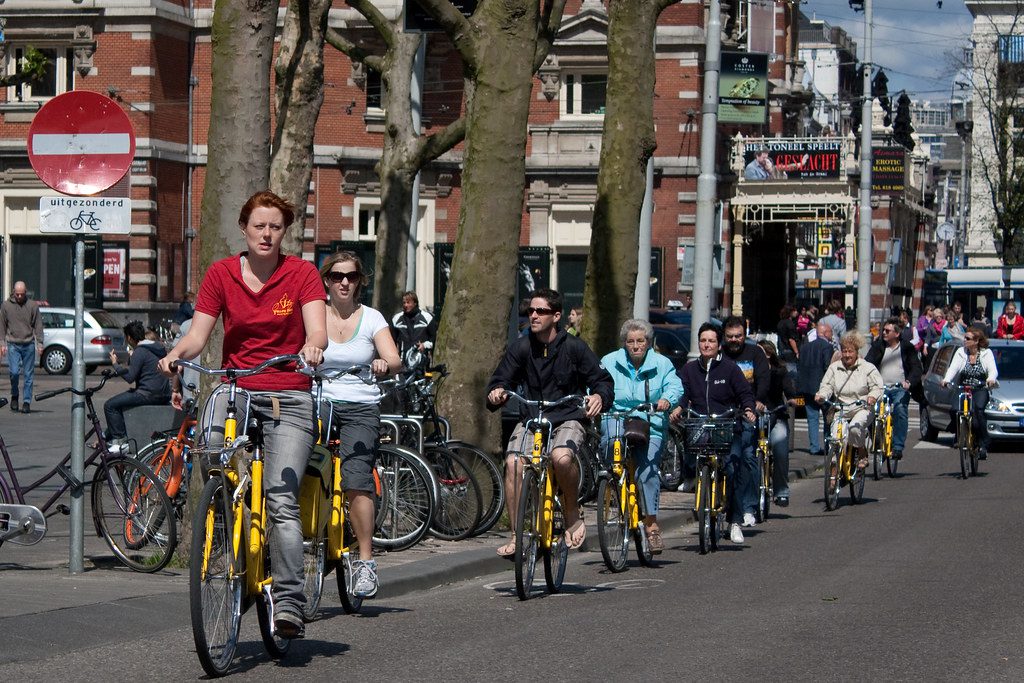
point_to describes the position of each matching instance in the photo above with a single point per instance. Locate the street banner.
(888, 170)
(790, 159)
(743, 88)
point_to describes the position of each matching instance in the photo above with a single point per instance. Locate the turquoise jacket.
(656, 372)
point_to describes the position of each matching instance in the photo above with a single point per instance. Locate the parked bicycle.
(840, 464)
(540, 525)
(169, 456)
(620, 499)
(130, 509)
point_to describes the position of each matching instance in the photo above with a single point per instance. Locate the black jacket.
(552, 371)
(815, 357)
(717, 389)
(781, 387)
(755, 368)
(143, 371)
(409, 329)
(912, 369)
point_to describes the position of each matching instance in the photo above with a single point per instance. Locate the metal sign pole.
(76, 564)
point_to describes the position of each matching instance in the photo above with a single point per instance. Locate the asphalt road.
(921, 582)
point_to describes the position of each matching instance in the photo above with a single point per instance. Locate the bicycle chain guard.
(21, 524)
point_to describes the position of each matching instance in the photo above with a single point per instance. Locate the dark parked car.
(1005, 410)
(672, 342)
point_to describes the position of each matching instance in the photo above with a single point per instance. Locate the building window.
(1011, 49)
(374, 91)
(58, 79)
(366, 227)
(583, 95)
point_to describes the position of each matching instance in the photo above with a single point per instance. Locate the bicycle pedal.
(61, 509)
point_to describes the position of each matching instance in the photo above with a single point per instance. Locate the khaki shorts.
(569, 435)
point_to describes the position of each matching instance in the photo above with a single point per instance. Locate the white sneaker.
(364, 578)
(749, 519)
(735, 533)
(686, 486)
(115, 447)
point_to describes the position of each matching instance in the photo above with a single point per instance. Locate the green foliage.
(33, 67)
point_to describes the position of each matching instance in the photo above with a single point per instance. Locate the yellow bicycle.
(620, 499)
(966, 441)
(881, 436)
(840, 468)
(540, 527)
(710, 437)
(230, 560)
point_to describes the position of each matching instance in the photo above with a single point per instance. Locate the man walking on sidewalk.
(20, 322)
(815, 357)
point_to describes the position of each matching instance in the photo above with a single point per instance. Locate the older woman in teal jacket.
(644, 376)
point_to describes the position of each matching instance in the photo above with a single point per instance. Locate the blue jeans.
(778, 439)
(648, 473)
(813, 423)
(900, 408)
(115, 406)
(741, 473)
(21, 358)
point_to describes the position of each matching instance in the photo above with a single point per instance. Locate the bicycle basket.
(709, 435)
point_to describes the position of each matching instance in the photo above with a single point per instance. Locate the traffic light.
(903, 128)
(880, 91)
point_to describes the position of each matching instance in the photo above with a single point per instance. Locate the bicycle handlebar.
(360, 370)
(107, 374)
(843, 406)
(644, 408)
(547, 404)
(238, 373)
(732, 412)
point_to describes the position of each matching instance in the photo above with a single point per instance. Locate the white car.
(103, 334)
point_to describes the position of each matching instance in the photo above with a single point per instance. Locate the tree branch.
(548, 29)
(353, 51)
(436, 144)
(458, 28)
(373, 15)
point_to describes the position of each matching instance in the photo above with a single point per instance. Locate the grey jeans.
(288, 440)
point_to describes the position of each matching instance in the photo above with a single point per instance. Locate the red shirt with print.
(261, 325)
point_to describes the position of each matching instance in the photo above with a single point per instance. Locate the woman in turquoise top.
(642, 375)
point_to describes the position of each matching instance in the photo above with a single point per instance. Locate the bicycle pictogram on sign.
(85, 218)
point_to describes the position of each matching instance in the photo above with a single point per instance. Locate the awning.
(984, 278)
(829, 278)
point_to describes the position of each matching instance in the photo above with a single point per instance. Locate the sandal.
(862, 463)
(655, 542)
(508, 550)
(576, 534)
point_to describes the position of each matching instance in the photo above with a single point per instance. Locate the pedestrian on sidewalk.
(1011, 325)
(815, 357)
(20, 324)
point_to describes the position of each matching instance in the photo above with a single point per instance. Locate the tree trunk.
(397, 171)
(238, 142)
(300, 93)
(473, 330)
(627, 143)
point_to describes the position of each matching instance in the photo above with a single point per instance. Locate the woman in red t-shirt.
(271, 304)
(1011, 325)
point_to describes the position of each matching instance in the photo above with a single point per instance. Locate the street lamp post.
(864, 253)
(964, 130)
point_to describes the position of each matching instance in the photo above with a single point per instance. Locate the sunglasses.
(338, 277)
(539, 311)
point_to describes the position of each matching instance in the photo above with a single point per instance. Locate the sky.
(914, 41)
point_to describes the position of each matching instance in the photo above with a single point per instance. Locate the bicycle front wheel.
(489, 479)
(459, 507)
(557, 555)
(527, 534)
(408, 497)
(764, 488)
(891, 463)
(640, 534)
(857, 478)
(611, 524)
(833, 477)
(314, 566)
(215, 580)
(964, 444)
(877, 450)
(133, 514)
(705, 518)
(350, 602)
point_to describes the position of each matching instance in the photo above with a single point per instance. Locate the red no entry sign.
(81, 143)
